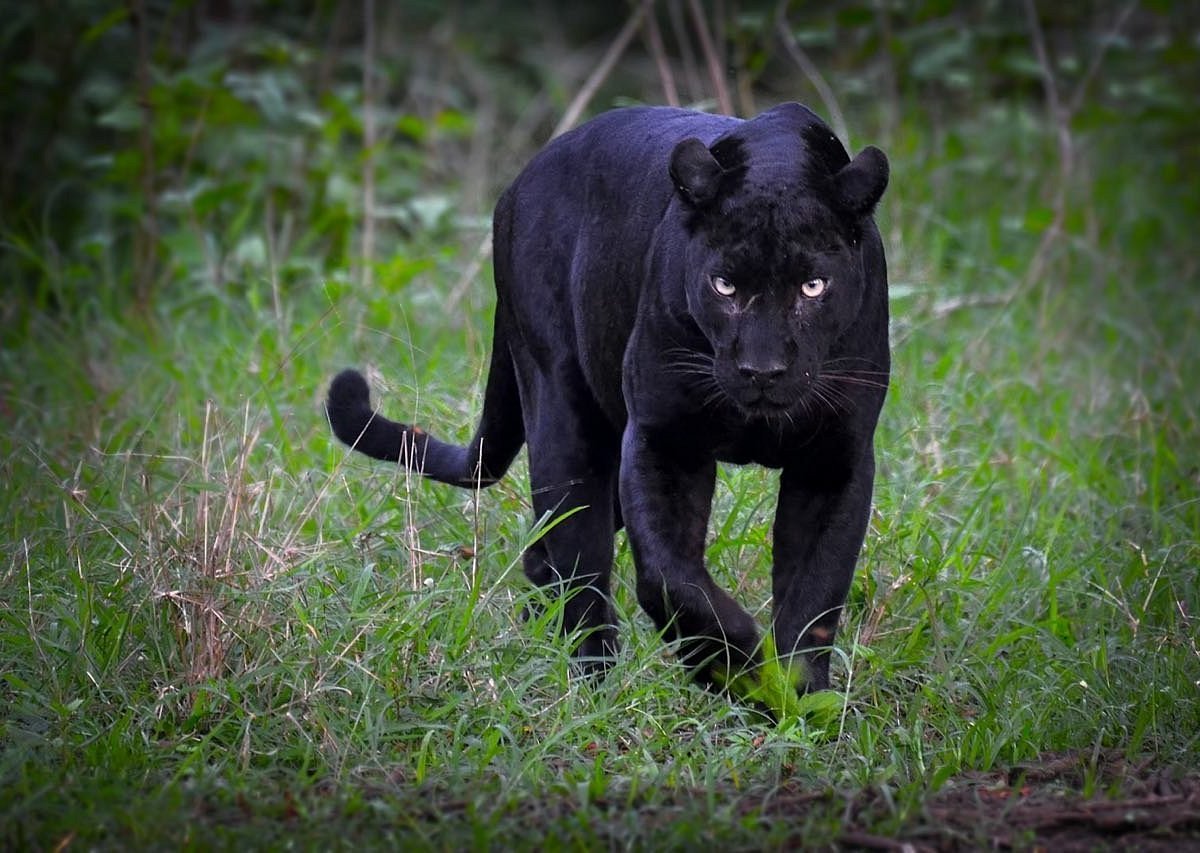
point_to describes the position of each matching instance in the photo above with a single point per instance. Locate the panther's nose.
(761, 374)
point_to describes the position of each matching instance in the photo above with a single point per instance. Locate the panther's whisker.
(832, 388)
(856, 360)
(824, 394)
(715, 396)
(854, 378)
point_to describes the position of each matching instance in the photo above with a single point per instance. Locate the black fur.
(630, 376)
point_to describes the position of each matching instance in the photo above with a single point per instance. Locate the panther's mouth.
(763, 400)
(769, 402)
(773, 397)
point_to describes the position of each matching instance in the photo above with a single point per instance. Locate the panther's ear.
(696, 173)
(860, 183)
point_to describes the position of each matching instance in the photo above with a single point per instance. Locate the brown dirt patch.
(1042, 805)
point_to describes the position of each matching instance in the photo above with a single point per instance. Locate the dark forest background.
(126, 126)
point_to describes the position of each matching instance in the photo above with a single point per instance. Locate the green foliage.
(221, 628)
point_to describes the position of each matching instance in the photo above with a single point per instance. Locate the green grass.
(219, 627)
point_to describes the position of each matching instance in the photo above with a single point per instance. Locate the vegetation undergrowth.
(221, 626)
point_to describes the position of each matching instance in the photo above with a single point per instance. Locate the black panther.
(676, 289)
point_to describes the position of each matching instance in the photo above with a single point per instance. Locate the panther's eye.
(721, 286)
(814, 287)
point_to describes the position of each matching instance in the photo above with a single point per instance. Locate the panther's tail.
(500, 434)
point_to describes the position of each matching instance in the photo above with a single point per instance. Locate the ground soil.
(1062, 802)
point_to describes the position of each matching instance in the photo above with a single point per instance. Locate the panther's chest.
(769, 444)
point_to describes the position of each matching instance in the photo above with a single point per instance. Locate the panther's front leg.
(820, 524)
(666, 494)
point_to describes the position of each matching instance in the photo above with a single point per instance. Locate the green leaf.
(774, 684)
(105, 24)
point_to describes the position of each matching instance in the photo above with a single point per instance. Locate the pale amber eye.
(722, 287)
(814, 287)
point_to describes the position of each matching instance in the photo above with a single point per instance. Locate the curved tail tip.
(349, 390)
(348, 406)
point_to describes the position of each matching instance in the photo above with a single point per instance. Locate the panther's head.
(774, 214)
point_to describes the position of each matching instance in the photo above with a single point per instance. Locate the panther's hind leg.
(573, 458)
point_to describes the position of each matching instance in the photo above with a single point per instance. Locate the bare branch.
(368, 169)
(146, 235)
(809, 69)
(686, 54)
(655, 42)
(1098, 57)
(1060, 115)
(715, 73)
(570, 117)
(1043, 58)
(482, 252)
(1066, 154)
(598, 76)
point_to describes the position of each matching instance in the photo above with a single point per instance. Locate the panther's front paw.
(783, 688)
(774, 684)
(596, 653)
